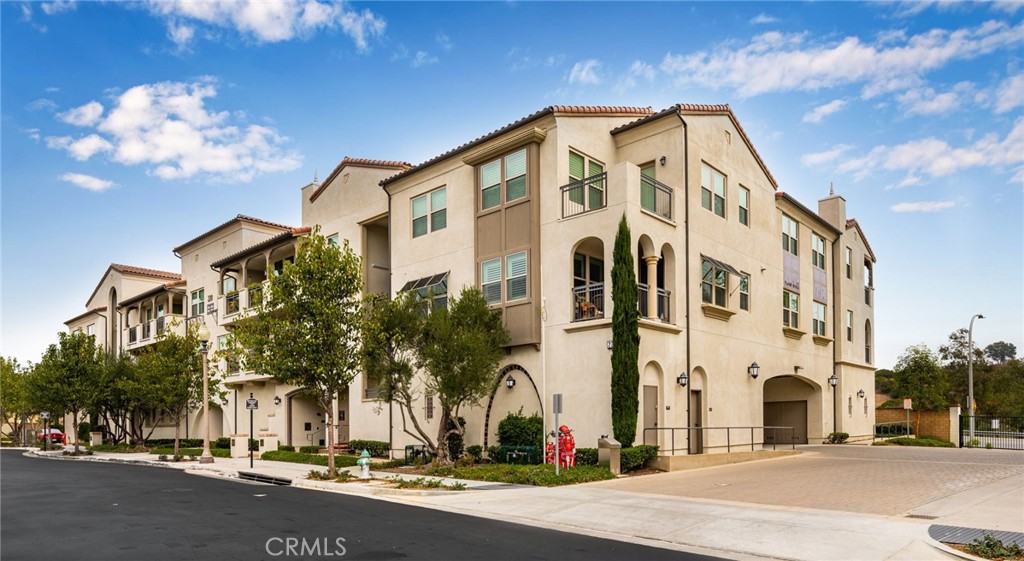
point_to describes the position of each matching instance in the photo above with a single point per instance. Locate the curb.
(150, 463)
(955, 553)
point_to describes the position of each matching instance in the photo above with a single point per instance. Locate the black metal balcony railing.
(584, 195)
(656, 197)
(159, 325)
(255, 295)
(589, 302)
(133, 334)
(231, 304)
(147, 330)
(664, 298)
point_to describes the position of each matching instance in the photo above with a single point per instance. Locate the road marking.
(261, 495)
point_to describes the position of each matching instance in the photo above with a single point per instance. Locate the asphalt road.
(53, 509)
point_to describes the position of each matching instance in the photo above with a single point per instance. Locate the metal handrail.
(664, 299)
(728, 437)
(662, 203)
(584, 195)
(589, 301)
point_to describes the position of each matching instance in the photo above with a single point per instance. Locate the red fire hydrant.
(566, 449)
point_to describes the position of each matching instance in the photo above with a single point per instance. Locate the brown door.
(650, 407)
(785, 414)
(696, 422)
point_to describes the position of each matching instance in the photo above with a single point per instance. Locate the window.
(818, 319)
(849, 325)
(587, 287)
(227, 285)
(648, 193)
(789, 234)
(432, 289)
(790, 309)
(510, 171)
(490, 280)
(817, 251)
(713, 284)
(744, 208)
(198, 302)
(869, 282)
(515, 268)
(428, 405)
(430, 212)
(581, 167)
(867, 342)
(90, 329)
(334, 240)
(279, 265)
(745, 292)
(712, 190)
(849, 263)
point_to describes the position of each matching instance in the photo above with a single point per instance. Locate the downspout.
(835, 339)
(686, 241)
(391, 404)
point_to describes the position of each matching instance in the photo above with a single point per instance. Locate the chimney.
(833, 209)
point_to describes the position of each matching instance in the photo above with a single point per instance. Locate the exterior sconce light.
(682, 379)
(832, 380)
(754, 370)
(510, 382)
(277, 400)
(860, 394)
(663, 160)
(224, 401)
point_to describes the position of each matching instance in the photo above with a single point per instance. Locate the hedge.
(637, 457)
(586, 456)
(517, 429)
(376, 448)
(540, 475)
(217, 452)
(340, 460)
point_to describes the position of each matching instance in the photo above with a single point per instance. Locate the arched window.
(867, 341)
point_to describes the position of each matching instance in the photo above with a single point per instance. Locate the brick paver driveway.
(889, 480)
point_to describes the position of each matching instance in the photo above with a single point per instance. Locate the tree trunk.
(74, 425)
(443, 454)
(177, 436)
(329, 428)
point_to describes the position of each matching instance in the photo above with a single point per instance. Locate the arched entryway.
(791, 401)
(305, 420)
(650, 404)
(522, 395)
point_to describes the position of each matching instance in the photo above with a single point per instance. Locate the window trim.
(849, 263)
(741, 194)
(502, 184)
(715, 271)
(791, 313)
(819, 327)
(790, 242)
(849, 325)
(525, 276)
(817, 256)
(712, 194)
(744, 289)
(429, 213)
(201, 292)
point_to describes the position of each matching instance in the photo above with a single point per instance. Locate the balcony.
(655, 197)
(585, 195)
(235, 305)
(664, 298)
(589, 302)
(148, 332)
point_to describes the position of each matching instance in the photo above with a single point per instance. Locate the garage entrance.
(792, 401)
(785, 414)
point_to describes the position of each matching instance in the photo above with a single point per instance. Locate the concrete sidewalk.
(715, 527)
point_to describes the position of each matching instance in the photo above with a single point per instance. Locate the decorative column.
(652, 285)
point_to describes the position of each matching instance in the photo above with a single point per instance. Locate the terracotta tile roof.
(811, 213)
(362, 162)
(238, 218)
(550, 110)
(711, 110)
(132, 270)
(155, 290)
(80, 316)
(289, 233)
(852, 223)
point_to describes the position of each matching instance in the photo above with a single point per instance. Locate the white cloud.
(269, 22)
(87, 181)
(584, 72)
(58, 6)
(52, 89)
(1010, 94)
(926, 101)
(423, 58)
(937, 158)
(830, 155)
(42, 104)
(763, 19)
(923, 206)
(637, 70)
(32, 133)
(84, 115)
(168, 127)
(777, 62)
(1008, 6)
(444, 41)
(822, 111)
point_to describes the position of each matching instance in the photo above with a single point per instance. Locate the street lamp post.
(832, 381)
(204, 342)
(970, 374)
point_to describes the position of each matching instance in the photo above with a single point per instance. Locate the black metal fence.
(696, 440)
(1004, 433)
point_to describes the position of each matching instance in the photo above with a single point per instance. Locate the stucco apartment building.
(733, 272)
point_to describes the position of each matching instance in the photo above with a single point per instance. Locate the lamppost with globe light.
(204, 342)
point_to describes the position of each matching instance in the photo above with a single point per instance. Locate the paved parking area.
(887, 480)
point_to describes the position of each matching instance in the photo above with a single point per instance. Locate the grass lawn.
(924, 441)
(540, 475)
(312, 459)
(217, 452)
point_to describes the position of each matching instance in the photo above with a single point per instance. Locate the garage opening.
(790, 401)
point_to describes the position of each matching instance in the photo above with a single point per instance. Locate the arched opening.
(113, 325)
(306, 422)
(696, 393)
(650, 404)
(506, 397)
(666, 283)
(648, 261)
(867, 341)
(588, 273)
(794, 402)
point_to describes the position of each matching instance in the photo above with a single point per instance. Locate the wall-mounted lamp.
(663, 160)
(860, 394)
(510, 382)
(754, 370)
(609, 344)
(224, 401)
(277, 400)
(682, 379)
(832, 380)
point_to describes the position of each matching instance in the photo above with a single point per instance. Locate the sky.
(128, 128)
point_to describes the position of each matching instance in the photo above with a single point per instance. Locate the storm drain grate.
(958, 535)
(261, 478)
(921, 516)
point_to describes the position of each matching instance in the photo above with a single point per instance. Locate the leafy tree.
(14, 397)
(625, 339)
(954, 361)
(66, 378)
(1000, 390)
(885, 381)
(1001, 351)
(307, 330)
(918, 376)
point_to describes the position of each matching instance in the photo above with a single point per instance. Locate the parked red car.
(54, 435)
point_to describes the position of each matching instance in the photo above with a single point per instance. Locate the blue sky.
(129, 128)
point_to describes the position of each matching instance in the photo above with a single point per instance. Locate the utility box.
(95, 438)
(240, 446)
(268, 441)
(608, 454)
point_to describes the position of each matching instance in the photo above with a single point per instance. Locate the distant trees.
(917, 375)
(14, 398)
(66, 379)
(1001, 351)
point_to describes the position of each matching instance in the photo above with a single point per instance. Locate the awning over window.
(424, 282)
(721, 265)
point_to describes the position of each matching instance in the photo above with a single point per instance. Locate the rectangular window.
(790, 230)
(510, 171)
(432, 290)
(515, 269)
(430, 212)
(279, 265)
(817, 251)
(849, 263)
(227, 285)
(818, 319)
(712, 190)
(580, 168)
(334, 240)
(490, 184)
(90, 329)
(714, 284)
(428, 405)
(198, 302)
(790, 309)
(515, 175)
(745, 292)
(744, 208)
(849, 325)
(490, 280)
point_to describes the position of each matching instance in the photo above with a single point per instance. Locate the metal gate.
(1004, 433)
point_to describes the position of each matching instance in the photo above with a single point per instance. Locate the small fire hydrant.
(364, 465)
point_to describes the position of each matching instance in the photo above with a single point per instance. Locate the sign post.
(557, 408)
(46, 434)
(908, 405)
(252, 404)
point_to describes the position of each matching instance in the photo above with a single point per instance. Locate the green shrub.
(476, 452)
(455, 441)
(376, 448)
(317, 475)
(838, 437)
(518, 430)
(224, 443)
(169, 443)
(540, 475)
(492, 453)
(923, 441)
(637, 457)
(217, 453)
(310, 449)
(286, 448)
(991, 547)
(586, 456)
(84, 428)
(398, 462)
(340, 460)
(523, 455)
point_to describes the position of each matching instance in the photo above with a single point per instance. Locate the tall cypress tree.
(625, 339)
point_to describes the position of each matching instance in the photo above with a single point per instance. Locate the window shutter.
(515, 164)
(490, 174)
(419, 207)
(595, 168)
(439, 199)
(575, 166)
